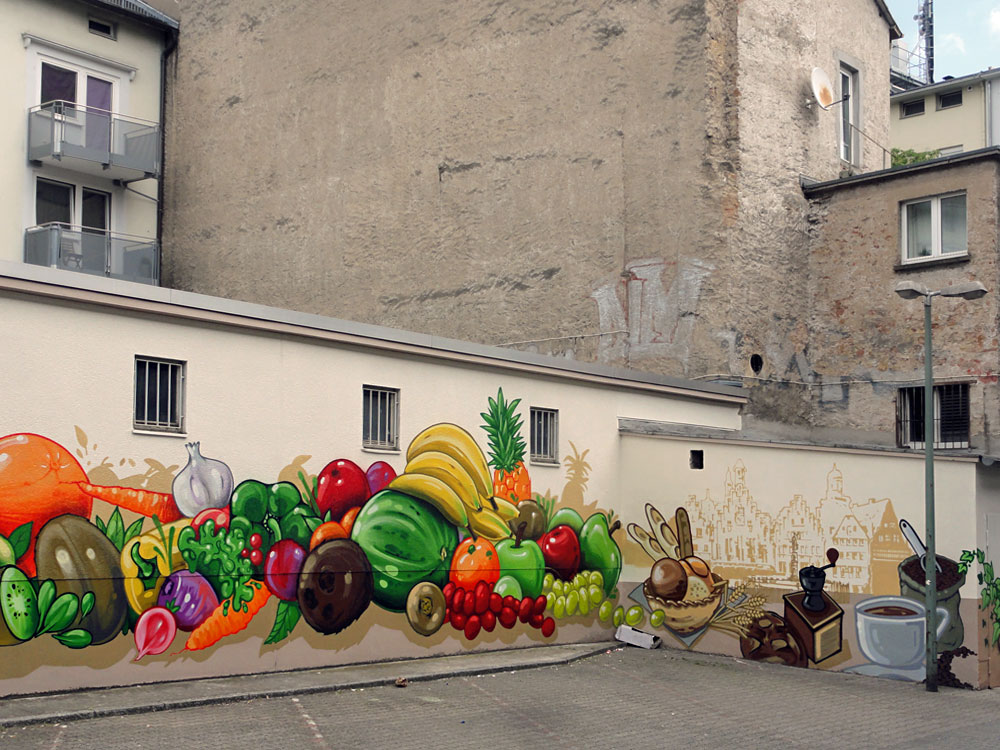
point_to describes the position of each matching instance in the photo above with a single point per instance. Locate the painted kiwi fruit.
(425, 608)
(18, 607)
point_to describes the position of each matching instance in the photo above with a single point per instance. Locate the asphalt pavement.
(589, 695)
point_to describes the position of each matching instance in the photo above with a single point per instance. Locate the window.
(951, 99)
(58, 84)
(951, 416)
(102, 28)
(159, 395)
(380, 418)
(910, 109)
(933, 227)
(544, 435)
(849, 109)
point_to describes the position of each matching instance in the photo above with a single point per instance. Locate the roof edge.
(811, 188)
(21, 278)
(930, 88)
(894, 30)
(138, 10)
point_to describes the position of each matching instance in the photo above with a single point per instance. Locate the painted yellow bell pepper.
(159, 562)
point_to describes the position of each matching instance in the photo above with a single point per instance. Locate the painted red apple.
(379, 475)
(341, 485)
(561, 549)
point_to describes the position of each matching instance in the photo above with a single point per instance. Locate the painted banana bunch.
(447, 469)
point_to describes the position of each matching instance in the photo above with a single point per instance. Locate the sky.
(966, 34)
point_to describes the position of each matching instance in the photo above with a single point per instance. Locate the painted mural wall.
(264, 538)
(805, 557)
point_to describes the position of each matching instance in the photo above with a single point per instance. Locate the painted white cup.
(892, 630)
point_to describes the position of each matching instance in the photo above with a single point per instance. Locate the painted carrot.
(219, 624)
(143, 502)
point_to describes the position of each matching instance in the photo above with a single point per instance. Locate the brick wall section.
(861, 330)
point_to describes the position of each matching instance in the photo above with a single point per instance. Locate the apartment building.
(81, 135)
(948, 117)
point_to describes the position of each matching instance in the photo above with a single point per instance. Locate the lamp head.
(965, 290)
(911, 290)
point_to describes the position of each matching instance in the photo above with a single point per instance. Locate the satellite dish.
(822, 88)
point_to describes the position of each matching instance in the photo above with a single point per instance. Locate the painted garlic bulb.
(203, 483)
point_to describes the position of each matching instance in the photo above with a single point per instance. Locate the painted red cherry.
(341, 485)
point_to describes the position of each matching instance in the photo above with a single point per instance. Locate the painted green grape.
(634, 616)
(572, 602)
(619, 616)
(605, 610)
(559, 608)
(596, 579)
(550, 603)
(584, 606)
(656, 619)
(548, 582)
(557, 588)
(596, 594)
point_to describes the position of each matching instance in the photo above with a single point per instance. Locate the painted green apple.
(566, 517)
(599, 551)
(522, 559)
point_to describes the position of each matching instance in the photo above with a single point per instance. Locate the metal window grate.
(951, 416)
(159, 395)
(544, 435)
(380, 419)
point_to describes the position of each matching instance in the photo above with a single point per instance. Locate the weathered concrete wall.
(863, 334)
(494, 173)
(783, 136)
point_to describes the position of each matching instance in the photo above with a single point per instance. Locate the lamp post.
(911, 290)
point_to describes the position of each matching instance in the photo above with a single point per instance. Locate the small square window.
(933, 227)
(951, 99)
(380, 418)
(544, 435)
(951, 416)
(910, 109)
(159, 395)
(103, 28)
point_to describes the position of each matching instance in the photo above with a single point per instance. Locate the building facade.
(81, 135)
(948, 117)
(610, 183)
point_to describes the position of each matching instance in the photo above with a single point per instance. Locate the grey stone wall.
(611, 181)
(864, 340)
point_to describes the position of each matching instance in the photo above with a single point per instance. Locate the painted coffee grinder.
(813, 579)
(814, 619)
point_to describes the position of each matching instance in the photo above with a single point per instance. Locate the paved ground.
(621, 698)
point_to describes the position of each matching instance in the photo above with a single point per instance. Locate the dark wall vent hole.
(697, 459)
(756, 363)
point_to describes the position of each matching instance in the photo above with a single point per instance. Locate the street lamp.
(911, 290)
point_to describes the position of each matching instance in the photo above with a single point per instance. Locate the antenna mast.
(925, 34)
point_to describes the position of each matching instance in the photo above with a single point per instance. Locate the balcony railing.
(93, 140)
(93, 251)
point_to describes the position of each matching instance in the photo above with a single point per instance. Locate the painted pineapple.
(577, 471)
(506, 450)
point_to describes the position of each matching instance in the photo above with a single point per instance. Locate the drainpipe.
(172, 35)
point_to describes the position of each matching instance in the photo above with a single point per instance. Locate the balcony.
(93, 141)
(93, 251)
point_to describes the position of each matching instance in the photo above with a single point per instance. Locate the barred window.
(380, 419)
(544, 435)
(951, 416)
(159, 395)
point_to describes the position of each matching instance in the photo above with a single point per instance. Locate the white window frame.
(936, 253)
(76, 206)
(849, 141)
(380, 418)
(544, 435)
(171, 375)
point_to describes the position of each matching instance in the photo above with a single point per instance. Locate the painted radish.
(40, 479)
